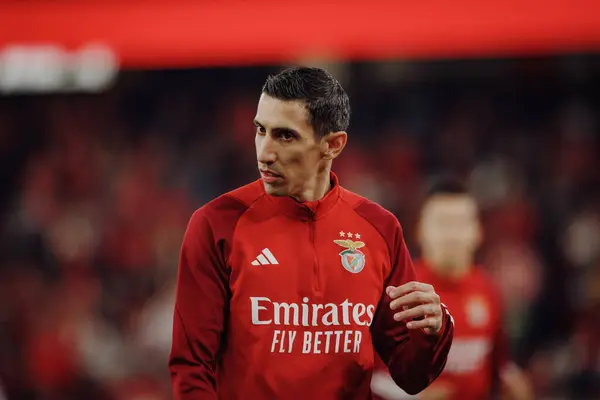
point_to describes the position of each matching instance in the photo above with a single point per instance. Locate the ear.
(333, 144)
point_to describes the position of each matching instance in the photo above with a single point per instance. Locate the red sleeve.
(413, 358)
(202, 301)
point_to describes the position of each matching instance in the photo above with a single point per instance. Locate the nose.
(265, 150)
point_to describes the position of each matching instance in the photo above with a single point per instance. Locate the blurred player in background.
(478, 365)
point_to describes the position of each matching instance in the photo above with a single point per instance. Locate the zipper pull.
(311, 213)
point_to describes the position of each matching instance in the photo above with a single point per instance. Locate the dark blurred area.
(97, 190)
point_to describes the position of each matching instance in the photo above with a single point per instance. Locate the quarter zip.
(317, 277)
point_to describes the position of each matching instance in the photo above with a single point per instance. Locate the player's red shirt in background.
(479, 350)
(284, 300)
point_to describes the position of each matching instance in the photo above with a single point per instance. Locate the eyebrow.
(280, 129)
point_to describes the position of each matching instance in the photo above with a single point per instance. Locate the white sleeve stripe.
(384, 386)
(448, 312)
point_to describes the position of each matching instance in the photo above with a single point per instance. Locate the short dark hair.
(446, 184)
(326, 100)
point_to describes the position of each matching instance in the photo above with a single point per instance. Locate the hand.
(420, 306)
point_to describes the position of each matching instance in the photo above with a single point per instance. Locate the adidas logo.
(265, 258)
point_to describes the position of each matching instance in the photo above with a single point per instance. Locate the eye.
(260, 130)
(287, 136)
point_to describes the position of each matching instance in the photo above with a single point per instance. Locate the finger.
(409, 300)
(430, 322)
(419, 312)
(424, 310)
(413, 299)
(414, 286)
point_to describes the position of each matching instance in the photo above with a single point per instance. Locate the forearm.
(191, 377)
(417, 362)
(191, 382)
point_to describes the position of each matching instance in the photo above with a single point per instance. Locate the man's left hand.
(420, 306)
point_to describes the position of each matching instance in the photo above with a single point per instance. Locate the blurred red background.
(99, 177)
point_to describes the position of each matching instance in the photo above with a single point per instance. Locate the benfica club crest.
(353, 260)
(477, 312)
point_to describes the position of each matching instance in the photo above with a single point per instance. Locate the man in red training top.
(288, 285)
(449, 234)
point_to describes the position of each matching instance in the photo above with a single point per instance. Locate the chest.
(476, 321)
(474, 312)
(325, 260)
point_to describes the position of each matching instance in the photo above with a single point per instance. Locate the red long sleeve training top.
(278, 299)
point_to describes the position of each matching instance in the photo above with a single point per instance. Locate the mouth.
(269, 176)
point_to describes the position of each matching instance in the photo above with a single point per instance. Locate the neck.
(317, 188)
(453, 271)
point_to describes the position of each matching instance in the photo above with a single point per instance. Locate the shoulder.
(382, 219)
(486, 284)
(223, 212)
(482, 278)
